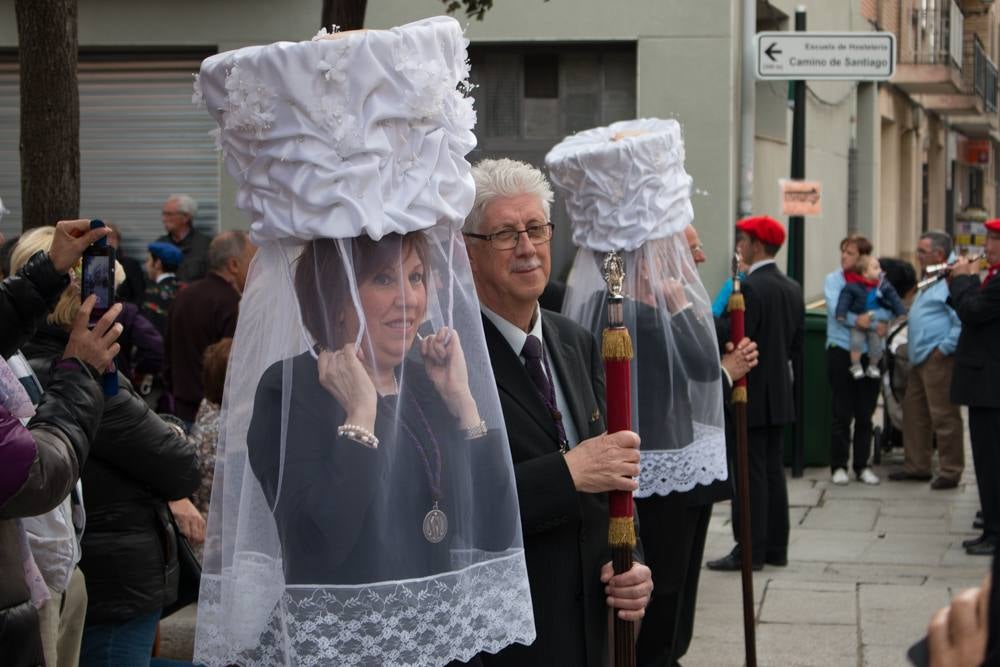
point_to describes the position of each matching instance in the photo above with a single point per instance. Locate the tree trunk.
(50, 111)
(347, 14)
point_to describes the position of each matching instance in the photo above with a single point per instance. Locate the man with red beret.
(775, 316)
(975, 381)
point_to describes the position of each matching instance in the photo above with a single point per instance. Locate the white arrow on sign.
(845, 56)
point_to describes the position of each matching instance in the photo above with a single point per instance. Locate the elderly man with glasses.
(178, 221)
(550, 378)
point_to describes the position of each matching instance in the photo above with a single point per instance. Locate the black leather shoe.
(903, 476)
(973, 542)
(942, 483)
(985, 548)
(730, 563)
(777, 562)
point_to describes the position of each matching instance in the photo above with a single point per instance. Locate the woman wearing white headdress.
(364, 509)
(626, 190)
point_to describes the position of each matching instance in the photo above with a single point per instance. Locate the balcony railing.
(984, 77)
(935, 37)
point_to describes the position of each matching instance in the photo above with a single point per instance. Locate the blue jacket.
(932, 324)
(858, 298)
(838, 332)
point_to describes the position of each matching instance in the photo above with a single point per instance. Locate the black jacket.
(976, 378)
(25, 298)
(332, 487)
(65, 421)
(775, 318)
(137, 462)
(565, 532)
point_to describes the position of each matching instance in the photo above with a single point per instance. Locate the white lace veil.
(626, 190)
(321, 548)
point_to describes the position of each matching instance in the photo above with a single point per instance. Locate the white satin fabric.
(626, 189)
(317, 549)
(358, 133)
(624, 184)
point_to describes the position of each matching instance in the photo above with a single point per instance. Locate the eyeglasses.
(507, 239)
(171, 212)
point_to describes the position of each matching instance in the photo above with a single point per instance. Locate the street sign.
(800, 197)
(844, 56)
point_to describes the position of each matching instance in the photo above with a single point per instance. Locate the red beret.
(766, 230)
(993, 225)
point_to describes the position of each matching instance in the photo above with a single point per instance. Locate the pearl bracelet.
(358, 434)
(477, 431)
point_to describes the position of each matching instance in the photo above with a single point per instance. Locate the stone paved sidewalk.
(868, 566)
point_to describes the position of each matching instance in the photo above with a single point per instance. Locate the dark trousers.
(769, 523)
(673, 541)
(853, 400)
(984, 431)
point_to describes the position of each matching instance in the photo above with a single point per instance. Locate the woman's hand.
(95, 346)
(445, 364)
(674, 295)
(189, 520)
(342, 374)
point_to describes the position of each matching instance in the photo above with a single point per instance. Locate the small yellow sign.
(800, 197)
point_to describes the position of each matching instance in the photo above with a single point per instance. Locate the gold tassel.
(621, 532)
(736, 302)
(616, 345)
(739, 394)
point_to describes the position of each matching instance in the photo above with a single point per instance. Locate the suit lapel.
(570, 375)
(513, 380)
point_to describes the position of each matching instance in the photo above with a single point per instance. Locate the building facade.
(894, 158)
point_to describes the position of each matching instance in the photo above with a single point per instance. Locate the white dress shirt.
(515, 337)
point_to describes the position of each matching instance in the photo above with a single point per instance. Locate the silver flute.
(937, 272)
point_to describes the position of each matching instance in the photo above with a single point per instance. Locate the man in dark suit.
(203, 313)
(549, 375)
(775, 315)
(975, 380)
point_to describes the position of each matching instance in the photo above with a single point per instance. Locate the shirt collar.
(163, 276)
(761, 263)
(513, 334)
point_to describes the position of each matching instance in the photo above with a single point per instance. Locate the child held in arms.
(867, 291)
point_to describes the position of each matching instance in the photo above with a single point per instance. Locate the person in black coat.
(976, 378)
(137, 463)
(563, 466)
(775, 317)
(39, 464)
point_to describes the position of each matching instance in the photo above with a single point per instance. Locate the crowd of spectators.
(95, 596)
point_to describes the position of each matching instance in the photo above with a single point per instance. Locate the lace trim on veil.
(483, 607)
(666, 471)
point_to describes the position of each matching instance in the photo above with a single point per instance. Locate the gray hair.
(939, 242)
(505, 178)
(186, 204)
(226, 246)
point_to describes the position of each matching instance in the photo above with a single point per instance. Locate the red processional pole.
(616, 350)
(736, 310)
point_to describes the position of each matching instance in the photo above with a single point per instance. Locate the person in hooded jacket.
(137, 464)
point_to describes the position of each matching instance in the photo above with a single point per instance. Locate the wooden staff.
(616, 350)
(736, 308)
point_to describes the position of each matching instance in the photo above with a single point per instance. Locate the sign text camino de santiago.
(847, 56)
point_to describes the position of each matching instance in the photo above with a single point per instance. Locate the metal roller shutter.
(141, 139)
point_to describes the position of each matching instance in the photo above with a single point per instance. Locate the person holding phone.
(137, 463)
(39, 463)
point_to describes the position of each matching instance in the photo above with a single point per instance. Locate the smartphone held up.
(98, 278)
(99, 273)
